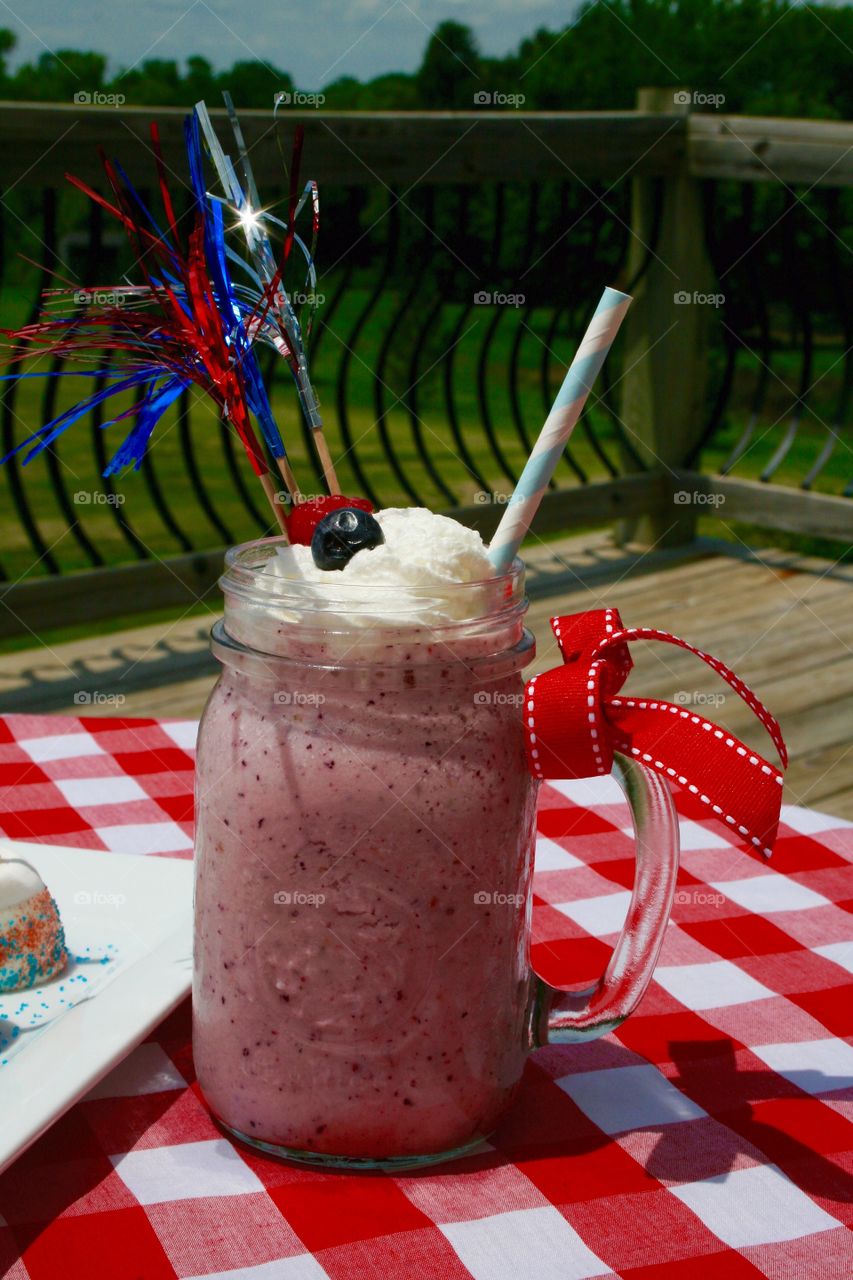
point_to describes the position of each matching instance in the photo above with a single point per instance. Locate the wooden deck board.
(784, 623)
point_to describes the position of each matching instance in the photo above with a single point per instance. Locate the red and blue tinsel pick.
(280, 320)
(185, 325)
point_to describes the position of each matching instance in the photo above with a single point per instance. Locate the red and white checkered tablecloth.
(707, 1137)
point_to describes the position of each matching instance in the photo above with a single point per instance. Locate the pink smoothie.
(361, 978)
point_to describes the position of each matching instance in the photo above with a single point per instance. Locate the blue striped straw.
(559, 425)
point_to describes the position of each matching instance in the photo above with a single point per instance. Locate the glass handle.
(562, 1017)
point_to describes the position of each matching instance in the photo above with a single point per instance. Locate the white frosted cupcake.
(32, 939)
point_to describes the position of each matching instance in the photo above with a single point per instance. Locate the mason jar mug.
(362, 991)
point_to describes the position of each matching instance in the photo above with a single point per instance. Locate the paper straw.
(559, 425)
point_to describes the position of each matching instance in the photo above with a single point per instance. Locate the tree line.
(760, 57)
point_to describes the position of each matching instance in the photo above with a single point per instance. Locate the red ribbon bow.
(574, 723)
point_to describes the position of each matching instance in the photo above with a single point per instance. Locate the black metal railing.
(783, 263)
(448, 319)
(455, 293)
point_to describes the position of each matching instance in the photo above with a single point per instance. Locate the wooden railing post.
(667, 329)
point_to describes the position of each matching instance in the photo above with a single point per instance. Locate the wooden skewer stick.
(322, 447)
(289, 479)
(270, 490)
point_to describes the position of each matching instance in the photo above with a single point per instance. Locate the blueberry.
(342, 533)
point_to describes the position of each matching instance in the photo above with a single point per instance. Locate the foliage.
(764, 56)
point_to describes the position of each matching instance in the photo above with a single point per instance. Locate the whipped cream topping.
(422, 551)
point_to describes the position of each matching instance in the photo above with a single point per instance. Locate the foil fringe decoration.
(189, 324)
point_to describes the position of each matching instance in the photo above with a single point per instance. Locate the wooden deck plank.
(823, 776)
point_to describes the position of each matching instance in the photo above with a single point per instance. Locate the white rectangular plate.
(128, 926)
